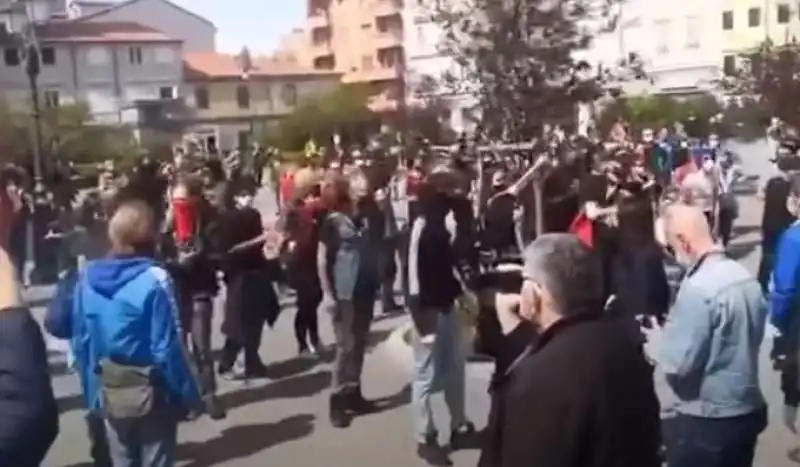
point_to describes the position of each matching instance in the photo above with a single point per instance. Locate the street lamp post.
(33, 68)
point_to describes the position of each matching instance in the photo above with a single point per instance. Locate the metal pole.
(33, 69)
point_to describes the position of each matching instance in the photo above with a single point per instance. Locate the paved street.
(282, 421)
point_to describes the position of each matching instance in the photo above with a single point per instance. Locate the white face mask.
(244, 201)
(708, 165)
(713, 143)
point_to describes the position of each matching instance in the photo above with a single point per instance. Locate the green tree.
(657, 111)
(344, 111)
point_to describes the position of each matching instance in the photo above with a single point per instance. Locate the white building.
(680, 43)
(421, 41)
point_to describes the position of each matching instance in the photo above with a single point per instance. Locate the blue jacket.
(710, 346)
(782, 300)
(123, 309)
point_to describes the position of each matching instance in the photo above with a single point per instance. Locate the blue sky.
(258, 24)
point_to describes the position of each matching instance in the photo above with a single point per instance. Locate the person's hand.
(592, 211)
(507, 308)
(790, 418)
(328, 302)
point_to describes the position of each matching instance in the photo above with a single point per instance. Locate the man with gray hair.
(582, 394)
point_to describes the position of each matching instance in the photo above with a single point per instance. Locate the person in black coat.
(581, 393)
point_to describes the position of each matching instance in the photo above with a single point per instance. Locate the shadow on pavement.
(300, 386)
(387, 403)
(747, 187)
(738, 251)
(69, 403)
(794, 455)
(377, 337)
(245, 440)
(741, 230)
(291, 367)
(81, 464)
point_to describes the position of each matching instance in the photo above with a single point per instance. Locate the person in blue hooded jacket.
(121, 318)
(783, 307)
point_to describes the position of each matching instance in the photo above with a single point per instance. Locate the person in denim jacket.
(709, 350)
(348, 264)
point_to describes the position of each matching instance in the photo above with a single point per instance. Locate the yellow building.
(228, 106)
(746, 24)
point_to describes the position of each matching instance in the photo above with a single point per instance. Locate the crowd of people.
(556, 251)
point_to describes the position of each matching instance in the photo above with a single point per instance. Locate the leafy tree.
(68, 133)
(770, 76)
(518, 58)
(429, 115)
(660, 111)
(343, 111)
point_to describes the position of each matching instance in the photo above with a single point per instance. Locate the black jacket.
(28, 412)
(581, 396)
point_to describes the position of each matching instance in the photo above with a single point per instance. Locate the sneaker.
(432, 453)
(462, 436)
(304, 352)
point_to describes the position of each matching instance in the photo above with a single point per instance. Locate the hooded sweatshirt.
(124, 309)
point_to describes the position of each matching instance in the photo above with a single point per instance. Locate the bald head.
(132, 227)
(687, 230)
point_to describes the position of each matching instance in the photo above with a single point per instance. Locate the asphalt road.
(282, 421)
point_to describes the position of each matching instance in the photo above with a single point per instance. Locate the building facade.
(678, 43)
(227, 107)
(746, 25)
(105, 65)
(362, 39)
(427, 65)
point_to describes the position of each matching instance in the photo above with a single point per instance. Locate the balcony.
(318, 19)
(388, 8)
(376, 74)
(389, 39)
(320, 49)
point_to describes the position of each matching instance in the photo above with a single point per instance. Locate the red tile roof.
(211, 65)
(84, 31)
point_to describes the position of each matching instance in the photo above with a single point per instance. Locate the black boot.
(338, 414)
(357, 404)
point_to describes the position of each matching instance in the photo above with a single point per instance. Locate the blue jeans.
(714, 442)
(150, 441)
(438, 365)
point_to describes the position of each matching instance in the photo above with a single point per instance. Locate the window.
(165, 55)
(754, 17)
(135, 55)
(289, 95)
(692, 30)
(729, 64)
(662, 36)
(11, 57)
(166, 92)
(51, 99)
(243, 96)
(201, 98)
(243, 139)
(268, 101)
(97, 56)
(727, 20)
(783, 14)
(48, 55)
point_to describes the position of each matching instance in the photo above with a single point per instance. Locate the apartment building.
(362, 39)
(676, 42)
(227, 105)
(745, 25)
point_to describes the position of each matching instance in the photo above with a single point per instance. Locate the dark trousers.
(351, 323)
(306, 322)
(714, 442)
(202, 312)
(765, 267)
(98, 441)
(389, 271)
(725, 225)
(231, 349)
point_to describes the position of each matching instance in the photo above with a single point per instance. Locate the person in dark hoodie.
(122, 319)
(433, 260)
(580, 393)
(28, 411)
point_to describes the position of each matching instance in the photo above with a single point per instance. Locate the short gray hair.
(568, 269)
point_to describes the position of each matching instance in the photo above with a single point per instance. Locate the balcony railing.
(389, 39)
(389, 7)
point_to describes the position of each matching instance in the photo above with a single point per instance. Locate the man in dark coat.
(582, 394)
